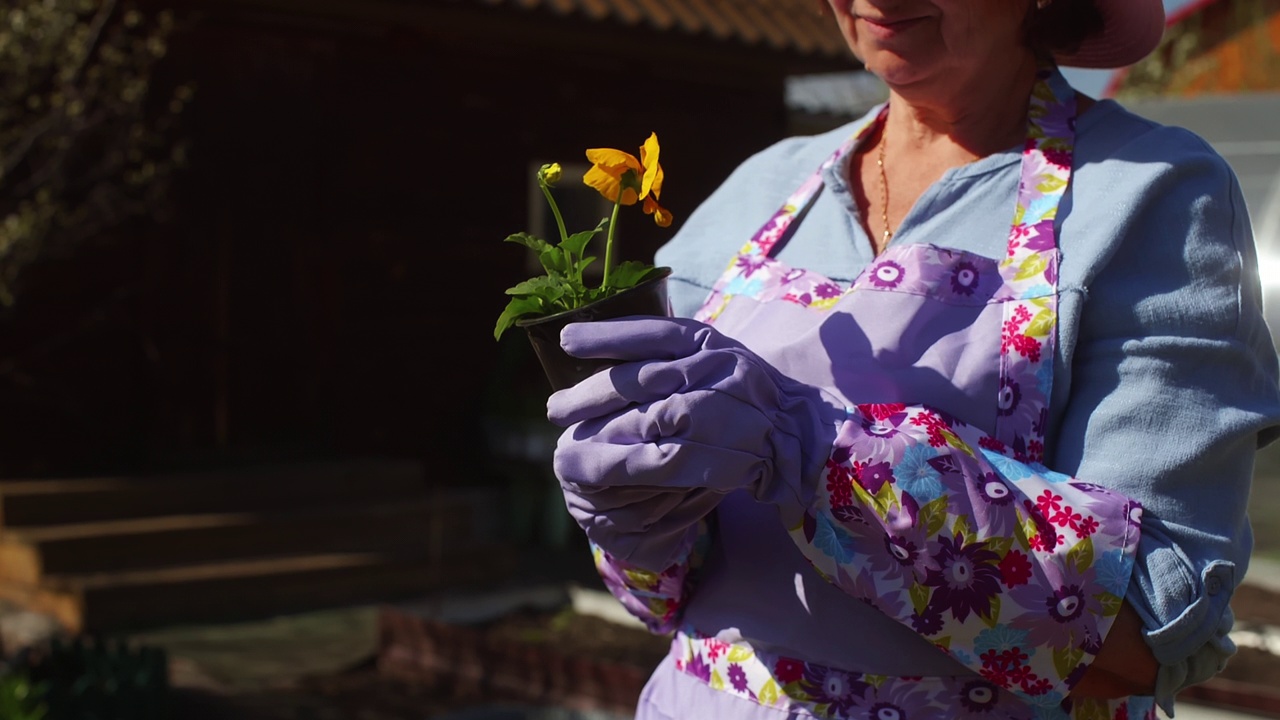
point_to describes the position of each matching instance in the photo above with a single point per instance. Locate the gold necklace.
(884, 191)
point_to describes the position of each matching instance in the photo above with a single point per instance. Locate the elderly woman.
(966, 428)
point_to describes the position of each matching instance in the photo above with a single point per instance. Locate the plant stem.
(555, 210)
(608, 241)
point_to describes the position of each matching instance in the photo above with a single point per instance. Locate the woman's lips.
(885, 29)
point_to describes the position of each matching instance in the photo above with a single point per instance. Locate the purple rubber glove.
(653, 443)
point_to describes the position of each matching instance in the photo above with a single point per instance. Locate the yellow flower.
(615, 172)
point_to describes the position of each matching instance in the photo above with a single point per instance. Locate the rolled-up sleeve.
(1172, 388)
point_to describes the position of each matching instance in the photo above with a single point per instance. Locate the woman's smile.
(888, 28)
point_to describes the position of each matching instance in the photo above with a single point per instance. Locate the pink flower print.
(1048, 502)
(791, 276)
(1087, 528)
(887, 275)
(1013, 340)
(839, 485)
(787, 670)
(1015, 569)
(716, 648)
(1058, 157)
(964, 278)
(990, 443)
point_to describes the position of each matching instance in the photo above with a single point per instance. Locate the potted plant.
(543, 305)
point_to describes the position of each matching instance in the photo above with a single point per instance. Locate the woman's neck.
(956, 121)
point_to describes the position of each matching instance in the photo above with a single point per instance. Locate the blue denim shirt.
(1165, 374)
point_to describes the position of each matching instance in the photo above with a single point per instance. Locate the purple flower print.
(837, 689)
(791, 276)
(887, 275)
(977, 699)
(699, 669)
(737, 677)
(749, 264)
(1009, 398)
(993, 508)
(964, 278)
(874, 477)
(827, 290)
(966, 578)
(899, 701)
(1062, 616)
(864, 588)
(928, 622)
(883, 438)
(1041, 236)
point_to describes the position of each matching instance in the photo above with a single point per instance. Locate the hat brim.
(1131, 30)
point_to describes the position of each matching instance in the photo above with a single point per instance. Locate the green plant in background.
(21, 699)
(97, 679)
(85, 142)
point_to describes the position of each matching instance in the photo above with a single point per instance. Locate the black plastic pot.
(563, 370)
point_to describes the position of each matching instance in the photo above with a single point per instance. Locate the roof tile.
(788, 25)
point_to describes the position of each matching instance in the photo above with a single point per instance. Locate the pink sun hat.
(1131, 30)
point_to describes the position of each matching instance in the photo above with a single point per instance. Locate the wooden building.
(329, 282)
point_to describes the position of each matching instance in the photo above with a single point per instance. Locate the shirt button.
(1213, 585)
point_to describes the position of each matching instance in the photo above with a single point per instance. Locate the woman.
(966, 429)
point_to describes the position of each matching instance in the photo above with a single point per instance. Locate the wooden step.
(412, 527)
(245, 589)
(26, 503)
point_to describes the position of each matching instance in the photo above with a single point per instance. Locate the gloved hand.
(689, 415)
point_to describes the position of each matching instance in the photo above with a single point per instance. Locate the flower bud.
(550, 174)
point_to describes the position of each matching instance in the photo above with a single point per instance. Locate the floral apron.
(940, 516)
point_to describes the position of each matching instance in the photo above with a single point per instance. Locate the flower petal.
(614, 161)
(652, 180)
(661, 215)
(608, 185)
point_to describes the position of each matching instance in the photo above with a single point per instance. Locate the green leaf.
(1110, 603)
(1066, 659)
(1031, 267)
(517, 308)
(535, 244)
(739, 654)
(1081, 555)
(1042, 325)
(629, 274)
(549, 289)
(919, 597)
(576, 243)
(933, 516)
(992, 619)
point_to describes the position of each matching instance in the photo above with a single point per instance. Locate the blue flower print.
(1113, 569)
(1008, 468)
(1001, 638)
(741, 285)
(917, 477)
(833, 541)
